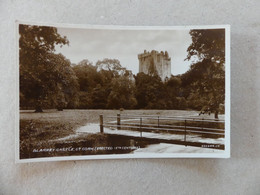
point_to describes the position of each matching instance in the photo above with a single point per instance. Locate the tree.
(207, 44)
(65, 92)
(99, 97)
(37, 70)
(113, 66)
(173, 88)
(87, 74)
(88, 79)
(196, 101)
(122, 93)
(207, 73)
(97, 83)
(149, 90)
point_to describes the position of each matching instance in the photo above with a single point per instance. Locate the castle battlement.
(153, 53)
(154, 61)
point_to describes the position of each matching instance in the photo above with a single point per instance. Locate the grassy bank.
(39, 130)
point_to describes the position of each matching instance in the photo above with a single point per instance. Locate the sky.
(125, 45)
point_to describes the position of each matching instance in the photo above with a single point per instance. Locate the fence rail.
(156, 123)
(168, 118)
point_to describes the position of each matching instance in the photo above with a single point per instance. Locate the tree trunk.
(38, 109)
(60, 109)
(216, 114)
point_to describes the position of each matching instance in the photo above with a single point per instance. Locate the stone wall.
(160, 60)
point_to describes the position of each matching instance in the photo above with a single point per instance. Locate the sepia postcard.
(114, 92)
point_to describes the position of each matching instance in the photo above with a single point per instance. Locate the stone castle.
(155, 63)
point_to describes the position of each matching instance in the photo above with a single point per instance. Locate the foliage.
(46, 79)
(49, 80)
(173, 91)
(66, 92)
(149, 89)
(122, 93)
(206, 76)
(99, 97)
(87, 74)
(106, 85)
(113, 66)
(207, 44)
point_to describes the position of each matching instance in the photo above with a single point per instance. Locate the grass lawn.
(37, 129)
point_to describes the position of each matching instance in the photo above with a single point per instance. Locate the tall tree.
(37, 75)
(65, 92)
(89, 79)
(113, 66)
(207, 73)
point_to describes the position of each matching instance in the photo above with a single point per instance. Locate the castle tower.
(155, 63)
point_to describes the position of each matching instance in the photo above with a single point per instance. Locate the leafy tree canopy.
(113, 66)
(42, 72)
(207, 44)
(207, 74)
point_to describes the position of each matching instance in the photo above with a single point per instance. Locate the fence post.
(158, 121)
(202, 123)
(118, 122)
(141, 126)
(185, 132)
(101, 123)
